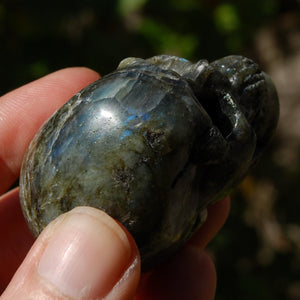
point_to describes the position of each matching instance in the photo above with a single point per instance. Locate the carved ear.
(130, 62)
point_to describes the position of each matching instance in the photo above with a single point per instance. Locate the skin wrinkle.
(6, 174)
(49, 291)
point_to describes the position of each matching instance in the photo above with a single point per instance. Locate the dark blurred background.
(257, 253)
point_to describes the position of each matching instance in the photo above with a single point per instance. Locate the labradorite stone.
(152, 144)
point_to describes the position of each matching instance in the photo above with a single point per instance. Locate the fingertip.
(80, 77)
(190, 274)
(82, 254)
(216, 217)
(15, 242)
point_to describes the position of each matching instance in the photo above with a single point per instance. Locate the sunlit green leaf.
(226, 18)
(126, 7)
(165, 40)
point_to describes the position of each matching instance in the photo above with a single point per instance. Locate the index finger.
(24, 110)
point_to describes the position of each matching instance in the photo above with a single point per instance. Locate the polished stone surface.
(152, 144)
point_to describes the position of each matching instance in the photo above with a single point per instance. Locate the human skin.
(37, 269)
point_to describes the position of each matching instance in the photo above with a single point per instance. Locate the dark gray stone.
(152, 144)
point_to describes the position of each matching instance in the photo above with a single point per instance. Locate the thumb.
(83, 254)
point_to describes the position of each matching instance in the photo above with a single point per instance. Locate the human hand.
(83, 254)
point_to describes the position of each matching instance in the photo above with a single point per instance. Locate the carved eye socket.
(213, 106)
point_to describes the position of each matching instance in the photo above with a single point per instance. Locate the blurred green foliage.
(40, 37)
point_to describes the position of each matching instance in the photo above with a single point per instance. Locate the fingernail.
(87, 255)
